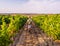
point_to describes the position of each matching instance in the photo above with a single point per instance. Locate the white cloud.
(34, 6)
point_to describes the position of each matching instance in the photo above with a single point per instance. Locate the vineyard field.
(50, 24)
(14, 29)
(9, 26)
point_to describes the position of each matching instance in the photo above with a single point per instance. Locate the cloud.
(33, 6)
(42, 7)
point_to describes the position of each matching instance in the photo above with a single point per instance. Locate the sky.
(29, 6)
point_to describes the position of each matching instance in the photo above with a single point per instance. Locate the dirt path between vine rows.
(32, 37)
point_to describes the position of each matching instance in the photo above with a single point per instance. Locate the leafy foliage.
(10, 25)
(50, 24)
